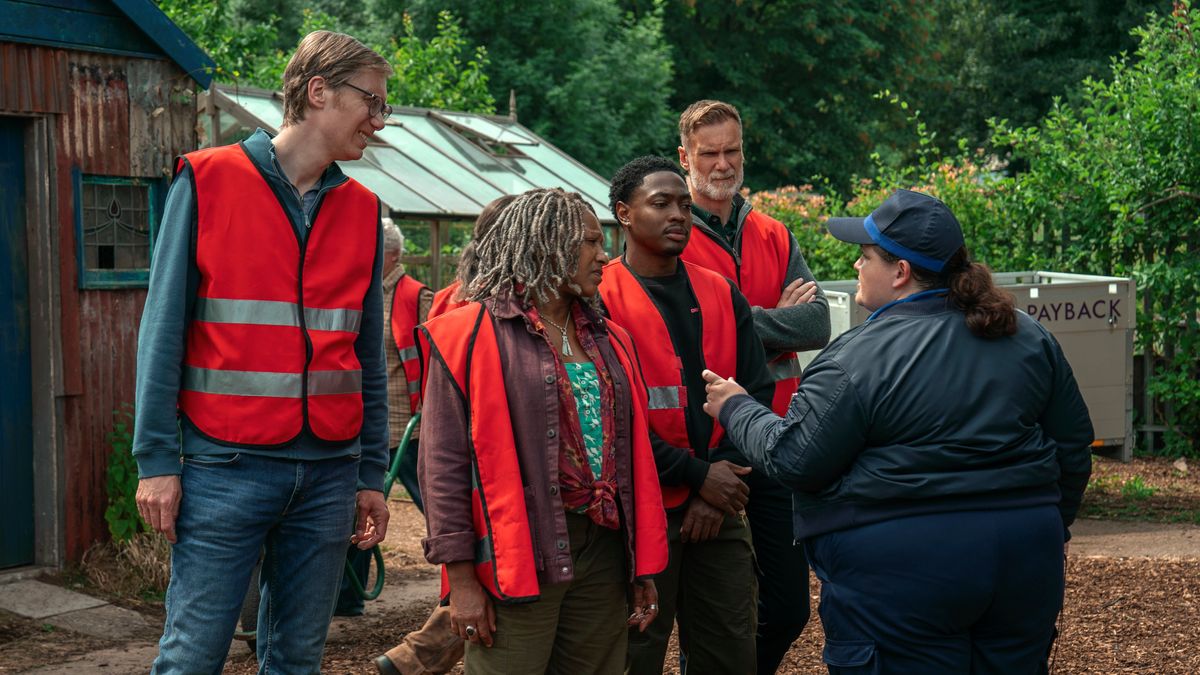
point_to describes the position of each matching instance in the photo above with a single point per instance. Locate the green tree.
(243, 51)
(1113, 187)
(1010, 59)
(432, 74)
(589, 77)
(247, 50)
(803, 73)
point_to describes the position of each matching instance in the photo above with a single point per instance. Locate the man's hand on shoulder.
(371, 519)
(158, 503)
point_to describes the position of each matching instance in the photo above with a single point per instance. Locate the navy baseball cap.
(909, 225)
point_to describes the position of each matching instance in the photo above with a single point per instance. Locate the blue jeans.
(234, 506)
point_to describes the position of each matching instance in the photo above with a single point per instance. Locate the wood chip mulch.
(1122, 615)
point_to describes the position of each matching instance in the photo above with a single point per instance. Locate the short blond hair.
(337, 57)
(703, 113)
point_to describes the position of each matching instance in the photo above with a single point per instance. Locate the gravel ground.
(1125, 612)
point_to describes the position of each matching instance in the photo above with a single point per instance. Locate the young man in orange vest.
(761, 256)
(261, 347)
(683, 319)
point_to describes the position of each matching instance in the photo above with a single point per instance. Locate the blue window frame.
(116, 221)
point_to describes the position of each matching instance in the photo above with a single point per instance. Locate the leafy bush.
(122, 479)
(1111, 186)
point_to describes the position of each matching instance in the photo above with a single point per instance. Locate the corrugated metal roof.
(436, 164)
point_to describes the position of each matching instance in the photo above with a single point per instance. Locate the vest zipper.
(308, 345)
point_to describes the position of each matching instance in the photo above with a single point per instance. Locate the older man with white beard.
(762, 258)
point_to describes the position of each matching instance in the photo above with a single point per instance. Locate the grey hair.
(533, 248)
(393, 239)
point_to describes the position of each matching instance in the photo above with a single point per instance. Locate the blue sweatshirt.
(158, 437)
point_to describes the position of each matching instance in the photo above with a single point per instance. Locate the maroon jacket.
(529, 378)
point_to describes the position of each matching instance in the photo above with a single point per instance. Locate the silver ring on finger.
(653, 607)
(471, 632)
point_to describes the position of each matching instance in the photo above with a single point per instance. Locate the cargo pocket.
(850, 657)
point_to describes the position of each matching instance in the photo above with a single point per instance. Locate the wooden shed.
(96, 99)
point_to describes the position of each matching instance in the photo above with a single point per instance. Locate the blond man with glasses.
(262, 422)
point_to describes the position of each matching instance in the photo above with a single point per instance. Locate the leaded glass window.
(116, 218)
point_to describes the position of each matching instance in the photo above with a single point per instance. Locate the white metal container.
(1092, 317)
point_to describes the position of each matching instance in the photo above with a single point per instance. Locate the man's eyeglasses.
(375, 105)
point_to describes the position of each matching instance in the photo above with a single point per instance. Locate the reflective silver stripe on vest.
(275, 313)
(665, 398)
(334, 382)
(408, 353)
(346, 320)
(786, 369)
(242, 382)
(259, 312)
(276, 385)
(414, 387)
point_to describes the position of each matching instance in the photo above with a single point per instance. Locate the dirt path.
(1131, 598)
(1121, 539)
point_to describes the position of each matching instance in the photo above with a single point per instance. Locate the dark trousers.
(709, 588)
(573, 628)
(782, 568)
(349, 602)
(969, 592)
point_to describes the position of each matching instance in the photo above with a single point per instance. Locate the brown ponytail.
(991, 313)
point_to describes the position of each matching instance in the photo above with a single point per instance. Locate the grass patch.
(1149, 489)
(137, 569)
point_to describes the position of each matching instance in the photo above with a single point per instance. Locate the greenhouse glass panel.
(583, 180)
(490, 130)
(427, 156)
(394, 195)
(452, 142)
(433, 187)
(266, 109)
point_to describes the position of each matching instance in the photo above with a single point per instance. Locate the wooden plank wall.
(124, 117)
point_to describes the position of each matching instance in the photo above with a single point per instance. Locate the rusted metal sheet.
(94, 136)
(108, 325)
(33, 79)
(162, 116)
(123, 117)
(94, 133)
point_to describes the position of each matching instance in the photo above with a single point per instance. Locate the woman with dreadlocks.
(541, 494)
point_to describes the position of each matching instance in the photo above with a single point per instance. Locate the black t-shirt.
(676, 302)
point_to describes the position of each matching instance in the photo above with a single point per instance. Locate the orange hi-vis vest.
(405, 301)
(464, 342)
(443, 300)
(629, 304)
(766, 243)
(270, 347)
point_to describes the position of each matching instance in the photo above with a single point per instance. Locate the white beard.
(705, 186)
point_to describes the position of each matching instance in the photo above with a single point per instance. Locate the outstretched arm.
(824, 430)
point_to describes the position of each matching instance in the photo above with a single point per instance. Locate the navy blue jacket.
(911, 413)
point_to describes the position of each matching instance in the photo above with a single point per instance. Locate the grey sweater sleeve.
(173, 280)
(797, 328)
